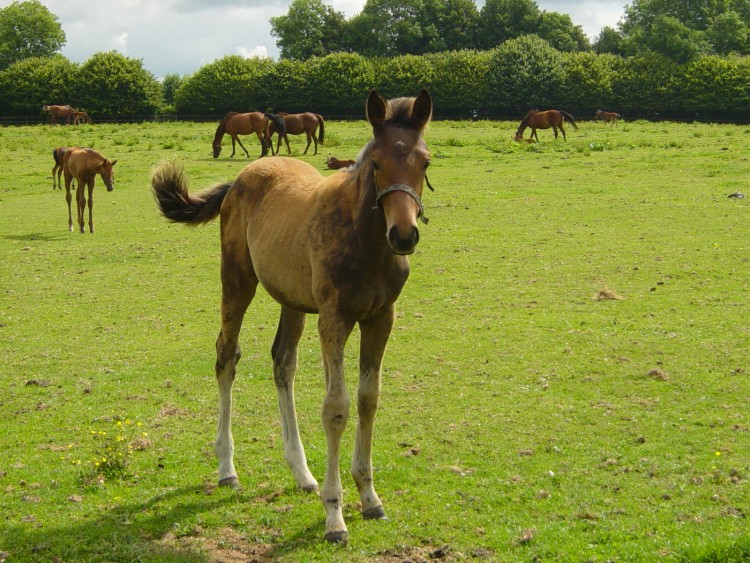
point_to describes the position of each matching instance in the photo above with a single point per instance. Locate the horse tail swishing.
(321, 135)
(178, 205)
(569, 118)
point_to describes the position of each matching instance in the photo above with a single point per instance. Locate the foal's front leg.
(334, 332)
(374, 336)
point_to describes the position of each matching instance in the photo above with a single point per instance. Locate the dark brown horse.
(607, 116)
(84, 165)
(536, 119)
(336, 246)
(65, 113)
(298, 123)
(57, 169)
(235, 124)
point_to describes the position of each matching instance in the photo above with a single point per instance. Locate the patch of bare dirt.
(227, 547)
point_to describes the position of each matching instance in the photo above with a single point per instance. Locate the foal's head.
(107, 172)
(399, 157)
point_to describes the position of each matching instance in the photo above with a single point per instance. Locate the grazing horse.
(235, 124)
(336, 246)
(84, 165)
(60, 112)
(334, 163)
(298, 123)
(608, 116)
(81, 117)
(57, 169)
(536, 119)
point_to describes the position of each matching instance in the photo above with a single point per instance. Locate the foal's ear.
(113, 162)
(376, 106)
(422, 110)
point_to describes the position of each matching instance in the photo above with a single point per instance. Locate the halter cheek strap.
(409, 190)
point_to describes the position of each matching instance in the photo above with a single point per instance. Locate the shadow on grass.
(152, 530)
(43, 237)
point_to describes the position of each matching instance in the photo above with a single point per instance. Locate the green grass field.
(568, 380)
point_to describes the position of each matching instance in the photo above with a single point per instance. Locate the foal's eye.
(427, 164)
(374, 165)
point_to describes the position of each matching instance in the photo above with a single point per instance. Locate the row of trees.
(650, 73)
(680, 30)
(503, 82)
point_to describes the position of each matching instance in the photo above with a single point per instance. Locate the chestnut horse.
(296, 124)
(235, 124)
(607, 116)
(60, 112)
(536, 119)
(57, 169)
(334, 246)
(84, 165)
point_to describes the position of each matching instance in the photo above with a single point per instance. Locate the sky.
(180, 36)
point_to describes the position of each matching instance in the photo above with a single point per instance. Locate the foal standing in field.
(607, 116)
(84, 165)
(334, 246)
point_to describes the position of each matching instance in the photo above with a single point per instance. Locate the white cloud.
(258, 51)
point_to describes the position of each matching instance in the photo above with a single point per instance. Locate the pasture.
(568, 378)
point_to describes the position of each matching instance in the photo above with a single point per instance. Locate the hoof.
(339, 538)
(231, 482)
(311, 489)
(375, 513)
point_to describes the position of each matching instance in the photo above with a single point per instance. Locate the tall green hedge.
(505, 82)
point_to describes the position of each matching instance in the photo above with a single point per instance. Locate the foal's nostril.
(403, 245)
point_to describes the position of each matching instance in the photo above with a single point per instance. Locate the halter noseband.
(409, 190)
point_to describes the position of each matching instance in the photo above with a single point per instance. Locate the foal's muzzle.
(403, 245)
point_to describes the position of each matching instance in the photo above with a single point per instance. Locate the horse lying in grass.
(333, 246)
(334, 163)
(84, 165)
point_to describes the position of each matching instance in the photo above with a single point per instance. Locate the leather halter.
(407, 189)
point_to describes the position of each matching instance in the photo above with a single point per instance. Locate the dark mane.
(529, 114)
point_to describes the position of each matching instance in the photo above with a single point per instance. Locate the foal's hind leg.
(69, 198)
(284, 352)
(238, 285)
(374, 336)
